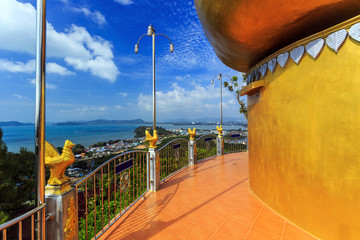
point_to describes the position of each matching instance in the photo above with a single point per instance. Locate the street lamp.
(151, 32)
(212, 83)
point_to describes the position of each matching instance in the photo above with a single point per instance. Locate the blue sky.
(92, 70)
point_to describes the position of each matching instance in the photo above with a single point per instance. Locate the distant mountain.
(239, 119)
(101, 122)
(14, 123)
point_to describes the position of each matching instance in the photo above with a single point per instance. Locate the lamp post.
(151, 32)
(153, 157)
(212, 83)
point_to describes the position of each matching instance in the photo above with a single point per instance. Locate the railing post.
(154, 162)
(61, 207)
(154, 170)
(219, 145)
(192, 152)
(60, 198)
(219, 142)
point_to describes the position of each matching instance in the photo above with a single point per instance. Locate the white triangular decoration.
(272, 64)
(251, 77)
(336, 39)
(354, 32)
(282, 59)
(263, 69)
(297, 54)
(248, 79)
(257, 74)
(314, 48)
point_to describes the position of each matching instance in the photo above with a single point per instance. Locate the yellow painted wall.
(304, 143)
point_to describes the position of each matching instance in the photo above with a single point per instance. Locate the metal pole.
(221, 117)
(40, 114)
(154, 92)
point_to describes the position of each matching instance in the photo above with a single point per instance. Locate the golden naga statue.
(219, 129)
(152, 139)
(58, 163)
(192, 133)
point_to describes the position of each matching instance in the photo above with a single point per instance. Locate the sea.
(16, 137)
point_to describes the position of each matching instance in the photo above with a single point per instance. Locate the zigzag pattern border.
(314, 48)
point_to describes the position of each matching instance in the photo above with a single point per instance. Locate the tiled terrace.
(211, 200)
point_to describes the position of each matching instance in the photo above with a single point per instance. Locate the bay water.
(23, 136)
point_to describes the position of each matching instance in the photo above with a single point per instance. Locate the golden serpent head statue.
(219, 129)
(152, 139)
(58, 163)
(192, 133)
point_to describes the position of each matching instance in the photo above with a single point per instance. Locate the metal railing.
(109, 191)
(235, 142)
(30, 220)
(206, 146)
(173, 157)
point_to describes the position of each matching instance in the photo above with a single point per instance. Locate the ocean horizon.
(16, 137)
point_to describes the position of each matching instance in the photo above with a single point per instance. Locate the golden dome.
(243, 32)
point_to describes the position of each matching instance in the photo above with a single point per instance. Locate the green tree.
(234, 87)
(78, 148)
(140, 131)
(59, 149)
(3, 148)
(17, 181)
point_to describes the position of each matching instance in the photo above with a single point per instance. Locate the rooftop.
(210, 200)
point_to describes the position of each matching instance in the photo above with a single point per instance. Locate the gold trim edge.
(303, 42)
(251, 87)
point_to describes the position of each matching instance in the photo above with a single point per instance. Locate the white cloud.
(96, 16)
(29, 67)
(48, 85)
(124, 2)
(17, 67)
(99, 66)
(231, 101)
(51, 86)
(56, 68)
(85, 110)
(177, 98)
(194, 102)
(181, 78)
(123, 94)
(75, 45)
(20, 97)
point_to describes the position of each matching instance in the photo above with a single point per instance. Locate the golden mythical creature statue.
(58, 163)
(192, 133)
(219, 129)
(152, 139)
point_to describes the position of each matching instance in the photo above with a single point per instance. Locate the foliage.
(3, 148)
(140, 131)
(103, 144)
(59, 149)
(17, 180)
(204, 153)
(168, 139)
(104, 196)
(234, 87)
(80, 164)
(78, 148)
(99, 144)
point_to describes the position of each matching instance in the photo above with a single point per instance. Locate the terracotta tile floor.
(208, 201)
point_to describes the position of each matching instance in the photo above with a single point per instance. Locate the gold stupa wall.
(302, 60)
(304, 136)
